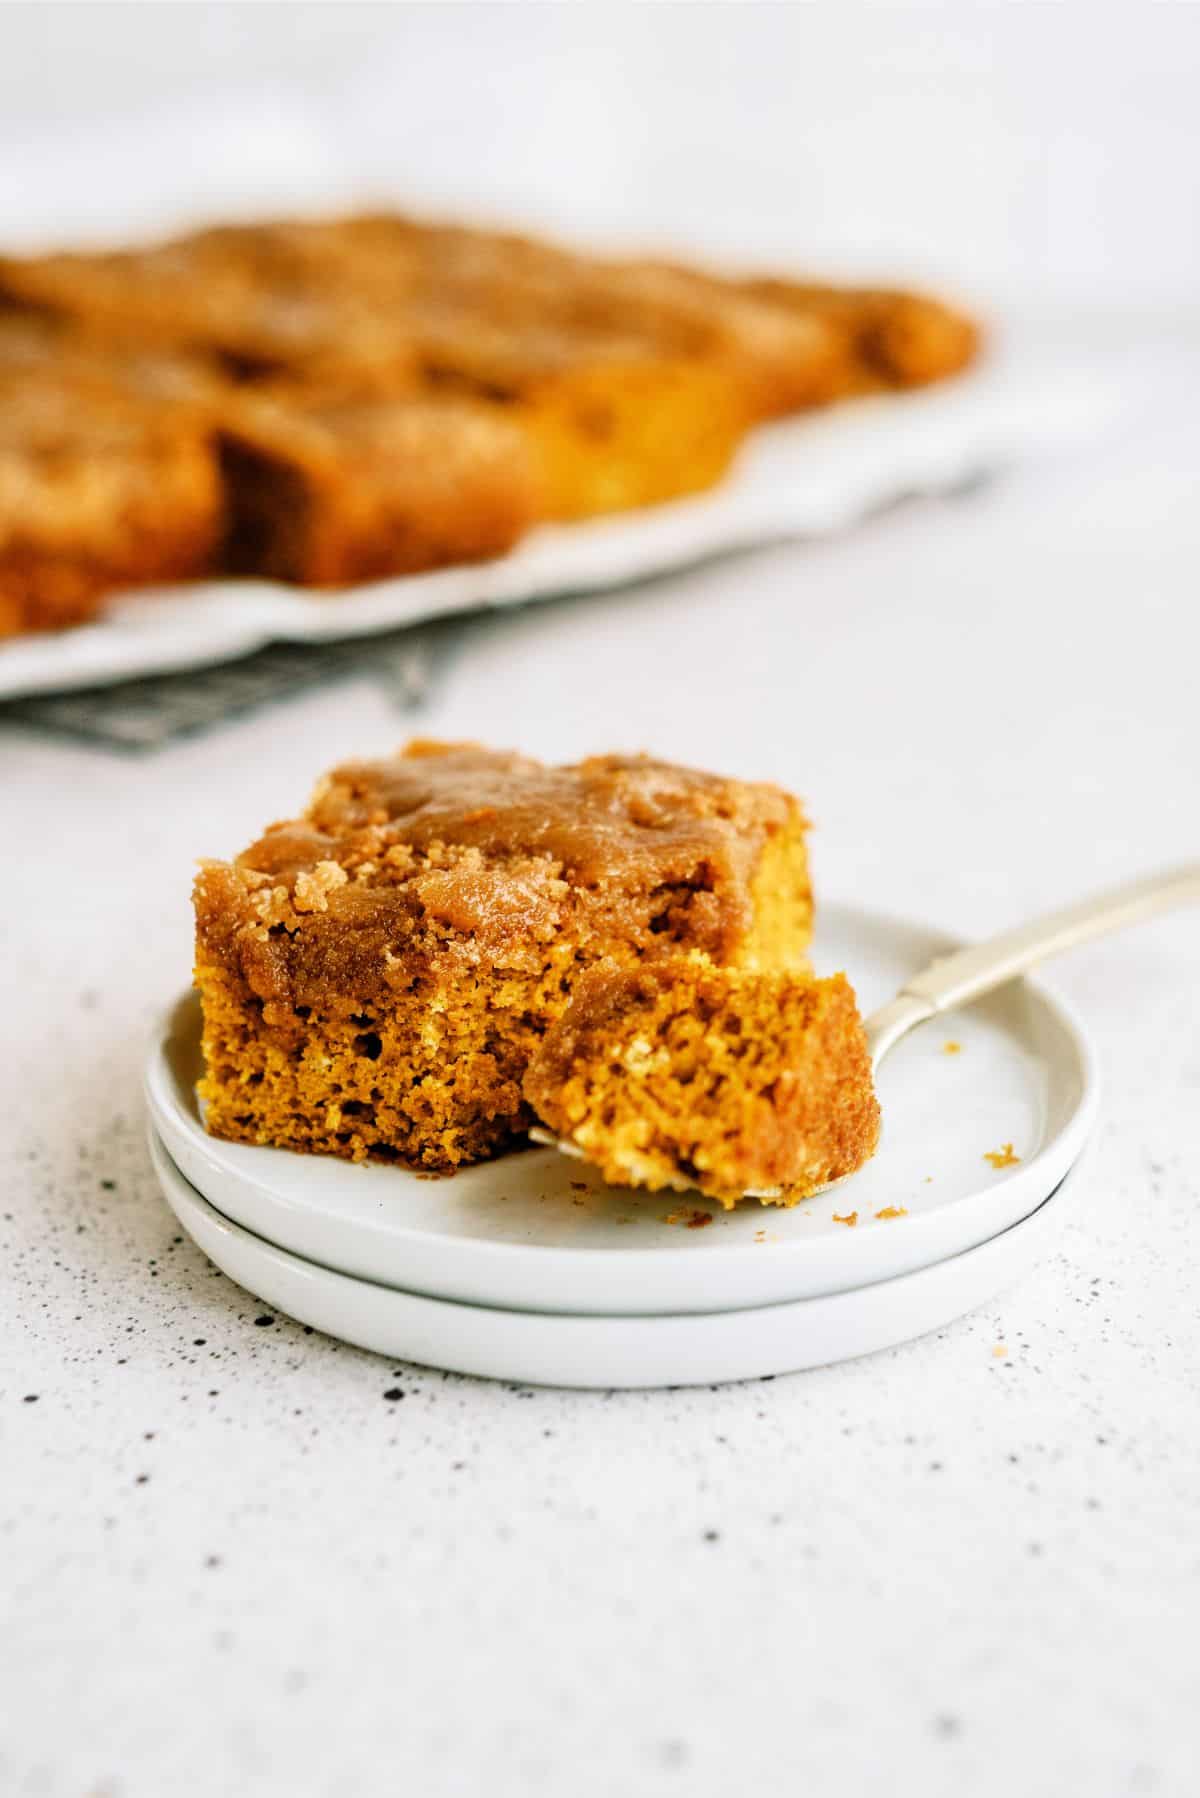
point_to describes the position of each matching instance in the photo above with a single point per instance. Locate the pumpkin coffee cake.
(329, 487)
(377, 974)
(385, 394)
(107, 479)
(677, 1073)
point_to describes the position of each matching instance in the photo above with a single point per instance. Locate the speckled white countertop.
(238, 1558)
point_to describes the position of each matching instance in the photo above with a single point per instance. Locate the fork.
(966, 974)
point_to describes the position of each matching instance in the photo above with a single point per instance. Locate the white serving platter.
(540, 1348)
(535, 1231)
(803, 477)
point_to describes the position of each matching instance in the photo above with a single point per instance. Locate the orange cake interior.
(677, 1073)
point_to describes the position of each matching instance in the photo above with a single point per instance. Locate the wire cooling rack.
(143, 715)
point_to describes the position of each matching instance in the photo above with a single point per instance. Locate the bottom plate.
(552, 1349)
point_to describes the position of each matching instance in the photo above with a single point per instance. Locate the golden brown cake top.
(452, 850)
(611, 819)
(378, 438)
(251, 294)
(83, 462)
(41, 357)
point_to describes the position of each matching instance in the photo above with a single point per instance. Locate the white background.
(1042, 152)
(227, 1562)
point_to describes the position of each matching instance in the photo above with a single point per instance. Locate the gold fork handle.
(967, 974)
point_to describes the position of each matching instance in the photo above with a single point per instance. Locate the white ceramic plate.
(540, 1348)
(799, 478)
(537, 1232)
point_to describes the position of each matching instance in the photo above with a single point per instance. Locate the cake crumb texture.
(683, 1074)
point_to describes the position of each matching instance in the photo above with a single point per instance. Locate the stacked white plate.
(532, 1269)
